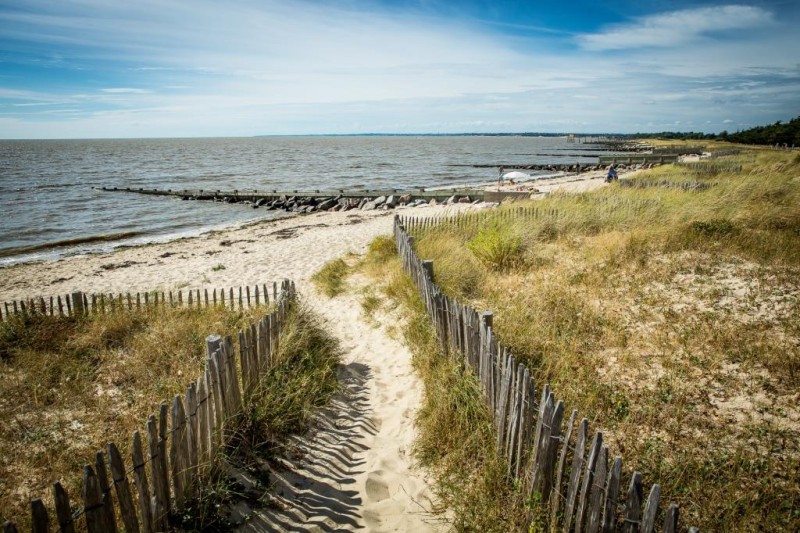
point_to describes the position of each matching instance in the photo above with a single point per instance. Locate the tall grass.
(71, 384)
(669, 316)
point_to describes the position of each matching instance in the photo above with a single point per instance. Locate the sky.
(203, 68)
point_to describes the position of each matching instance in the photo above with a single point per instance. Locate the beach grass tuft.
(330, 279)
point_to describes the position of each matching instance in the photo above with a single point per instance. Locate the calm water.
(48, 200)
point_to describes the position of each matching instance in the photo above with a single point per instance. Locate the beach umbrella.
(515, 175)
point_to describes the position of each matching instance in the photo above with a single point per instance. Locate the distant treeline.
(779, 133)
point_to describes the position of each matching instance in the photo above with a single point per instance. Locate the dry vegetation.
(668, 316)
(69, 385)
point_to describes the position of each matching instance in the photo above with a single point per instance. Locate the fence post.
(77, 303)
(428, 266)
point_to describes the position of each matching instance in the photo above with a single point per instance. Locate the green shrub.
(497, 246)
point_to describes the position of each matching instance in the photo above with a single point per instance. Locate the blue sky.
(185, 68)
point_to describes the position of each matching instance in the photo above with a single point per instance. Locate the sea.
(52, 205)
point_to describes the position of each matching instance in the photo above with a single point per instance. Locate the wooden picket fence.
(477, 219)
(178, 452)
(81, 303)
(574, 476)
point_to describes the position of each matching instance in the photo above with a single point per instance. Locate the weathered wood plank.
(191, 437)
(541, 444)
(63, 509)
(650, 509)
(633, 505)
(203, 422)
(588, 479)
(108, 502)
(671, 519)
(176, 457)
(500, 413)
(555, 500)
(538, 434)
(233, 375)
(597, 492)
(142, 486)
(526, 417)
(124, 498)
(553, 439)
(157, 478)
(612, 497)
(40, 522)
(93, 506)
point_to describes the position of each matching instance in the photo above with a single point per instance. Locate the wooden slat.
(108, 502)
(588, 479)
(612, 497)
(191, 436)
(124, 498)
(538, 433)
(514, 419)
(233, 375)
(540, 444)
(526, 416)
(215, 390)
(142, 486)
(40, 522)
(93, 507)
(633, 505)
(176, 451)
(555, 500)
(578, 461)
(157, 477)
(500, 413)
(671, 519)
(244, 361)
(63, 509)
(650, 509)
(597, 492)
(203, 424)
(551, 450)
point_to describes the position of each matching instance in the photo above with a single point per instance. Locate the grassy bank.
(668, 314)
(71, 384)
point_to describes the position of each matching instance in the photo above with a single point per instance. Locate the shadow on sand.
(312, 486)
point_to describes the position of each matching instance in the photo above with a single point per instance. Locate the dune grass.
(69, 385)
(669, 317)
(330, 279)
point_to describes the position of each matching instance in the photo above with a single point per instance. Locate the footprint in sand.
(377, 489)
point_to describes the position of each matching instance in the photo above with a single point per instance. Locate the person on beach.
(612, 173)
(500, 173)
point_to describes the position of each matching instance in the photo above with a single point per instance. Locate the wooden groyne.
(318, 200)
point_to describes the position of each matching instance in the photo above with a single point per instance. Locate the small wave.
(69, 242)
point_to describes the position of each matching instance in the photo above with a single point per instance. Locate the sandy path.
(354, 470)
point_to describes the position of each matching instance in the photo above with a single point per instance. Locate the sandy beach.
(261, 252)
(384, 490)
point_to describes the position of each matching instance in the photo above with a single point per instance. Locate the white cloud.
(676, 28)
